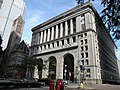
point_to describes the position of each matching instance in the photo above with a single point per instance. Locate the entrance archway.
(52, 67)
(68, 70)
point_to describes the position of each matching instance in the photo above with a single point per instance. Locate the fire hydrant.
(51, 85)
(81, 86)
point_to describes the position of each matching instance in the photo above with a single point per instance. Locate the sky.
(38, 11)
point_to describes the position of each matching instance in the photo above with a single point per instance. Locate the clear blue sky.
(38, 11)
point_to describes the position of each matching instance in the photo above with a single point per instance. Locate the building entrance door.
(68, 70)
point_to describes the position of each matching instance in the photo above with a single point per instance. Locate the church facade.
(77, 42)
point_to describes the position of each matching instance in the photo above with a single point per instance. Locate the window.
(58, 30)
(82, 49)
(63, 28)
(74, 25)
(62, 42)
(40, 47)
(82, 62)
(86, 48)
(85, 34)
(57, 43)
(81, 42)
(68, 40)
(81, 35)
(86, 54)
(82, 55)
(83, 21)
(44, 46)
(48, 45)
(54, 31)
(86, 41)
(74, 39)
(50, 32)
(53, 45)
(68, 27)
(46, 34)
(87, 63)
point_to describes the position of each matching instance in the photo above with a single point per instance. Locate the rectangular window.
(54, 31)
(62, 42)
(50, 32)
(86, 48)
(46, 34)
(74, 25)
(87, 63)
(68, 27)
(57, 43)
(58, 30)
(48, 45)
(74, 39)
(81, 42)
(63, 28)
(53, 45)
(68, 41)
(83, 21)
(82, 55)
(86, 41)
(82, 62)
(86, 54)
(82, 49)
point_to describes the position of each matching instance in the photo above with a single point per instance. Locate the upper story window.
(68, 27)
(63, 28)
(74, 25)
(83, 21)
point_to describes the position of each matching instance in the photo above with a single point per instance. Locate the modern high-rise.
(74, 42)
(10, 10)
(1, 1)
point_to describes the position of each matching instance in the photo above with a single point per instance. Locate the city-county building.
(74, 41)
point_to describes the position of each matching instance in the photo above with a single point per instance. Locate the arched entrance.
(52, 68)
(68, 70)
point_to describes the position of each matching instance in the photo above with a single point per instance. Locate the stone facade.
(76, 38)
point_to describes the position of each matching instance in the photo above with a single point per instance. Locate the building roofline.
(68, 12)
(62, 15)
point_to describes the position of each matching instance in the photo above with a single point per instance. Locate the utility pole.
(78, 62)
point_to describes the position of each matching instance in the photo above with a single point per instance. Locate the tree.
(111, 16)
(29, 63)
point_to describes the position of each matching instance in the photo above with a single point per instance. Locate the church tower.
(16, 34)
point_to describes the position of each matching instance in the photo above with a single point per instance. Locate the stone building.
(76, 38)
(19, 52)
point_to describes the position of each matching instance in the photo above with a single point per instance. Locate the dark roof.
(22, 47)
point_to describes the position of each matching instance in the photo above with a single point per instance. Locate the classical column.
(71, 26)
(56, 32)
(66, 28)
(44, 36)
(78, 24)
(41, 38)
(52, 33)
(61, 30)
(48, 37)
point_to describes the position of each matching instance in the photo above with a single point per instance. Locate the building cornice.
(63, 15)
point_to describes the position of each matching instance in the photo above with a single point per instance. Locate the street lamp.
(78, 62)
(65, 72)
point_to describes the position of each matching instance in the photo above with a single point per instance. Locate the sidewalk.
(94, 86)
(75, 85)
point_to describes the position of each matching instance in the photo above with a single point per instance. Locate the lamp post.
(78, 62)
(65, 72)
